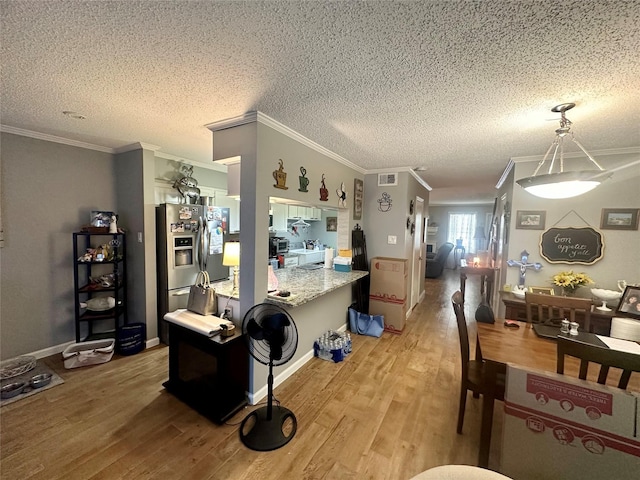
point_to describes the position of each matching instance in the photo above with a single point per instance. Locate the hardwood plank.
(387, 412)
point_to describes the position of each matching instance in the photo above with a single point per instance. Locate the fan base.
(266, 435)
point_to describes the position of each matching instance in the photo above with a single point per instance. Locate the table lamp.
(231, 258)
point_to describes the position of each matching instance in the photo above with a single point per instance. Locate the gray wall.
(621, 247)
(394, 221)
(48, 192)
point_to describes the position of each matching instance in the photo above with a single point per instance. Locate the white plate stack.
(625, 328)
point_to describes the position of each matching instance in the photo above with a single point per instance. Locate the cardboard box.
(388, 278)
(569, 428)
(394, 313)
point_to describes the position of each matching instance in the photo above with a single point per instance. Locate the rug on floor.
(26, 377)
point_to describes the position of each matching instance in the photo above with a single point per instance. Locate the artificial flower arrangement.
(570, 281)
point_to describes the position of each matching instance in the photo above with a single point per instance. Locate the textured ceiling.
(456, 87)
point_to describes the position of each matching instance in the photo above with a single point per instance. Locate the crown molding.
(593, 153)
(260, 117)
(55, 139)
(510, 165)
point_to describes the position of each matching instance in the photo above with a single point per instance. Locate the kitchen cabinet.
(100, 284)
(316, 214)
(304, 213)
(279, 212)
(295, 211)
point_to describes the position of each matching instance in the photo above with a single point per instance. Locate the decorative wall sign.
(619, 219)
(358, 195)
(342, 196)
(280, 176)
(304, 181)
(324, 192)
(572, 245)
(384, 202)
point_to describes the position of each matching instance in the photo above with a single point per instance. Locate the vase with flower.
(571, 281)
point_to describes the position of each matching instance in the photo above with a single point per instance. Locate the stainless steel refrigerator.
(189, 238)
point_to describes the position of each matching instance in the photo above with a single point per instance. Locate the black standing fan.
(272, 339)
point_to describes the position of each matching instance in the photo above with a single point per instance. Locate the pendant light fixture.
(557, 183)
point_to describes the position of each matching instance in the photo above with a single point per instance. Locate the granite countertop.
(304, 285)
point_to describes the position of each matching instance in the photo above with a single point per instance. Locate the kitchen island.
(307, 285)
(319, 302)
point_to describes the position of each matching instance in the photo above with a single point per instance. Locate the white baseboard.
(282, 376)
(47, 352)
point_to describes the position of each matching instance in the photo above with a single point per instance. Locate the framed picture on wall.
(358, 194)
(332, 224)
(530, 219)
(619, 219)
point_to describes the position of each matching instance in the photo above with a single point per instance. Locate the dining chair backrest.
(605, 357)
(541, 307)
(463, 332)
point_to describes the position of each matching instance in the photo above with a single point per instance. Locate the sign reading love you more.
(571, 245)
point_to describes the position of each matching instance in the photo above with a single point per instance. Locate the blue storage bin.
(130, 338)
(341, 268)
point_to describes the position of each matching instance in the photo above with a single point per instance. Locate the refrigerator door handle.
(203, 243)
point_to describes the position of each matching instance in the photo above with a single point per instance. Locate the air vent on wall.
(387, 179)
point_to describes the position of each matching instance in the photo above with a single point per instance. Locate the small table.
(210, 374)
(486, 277)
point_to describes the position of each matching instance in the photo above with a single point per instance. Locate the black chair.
(605, 357)
(473, 371)
(437, 261)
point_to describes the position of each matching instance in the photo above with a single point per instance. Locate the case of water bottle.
(332, 346)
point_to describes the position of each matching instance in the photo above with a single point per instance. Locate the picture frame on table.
(544, 290)
(101, 218)
(629, 305)
(619, 219)
(530, 219)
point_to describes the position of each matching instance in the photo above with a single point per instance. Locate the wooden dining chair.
(542, 307)
(605, 357)
(473, 371)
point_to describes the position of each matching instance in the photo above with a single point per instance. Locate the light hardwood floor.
(387, 412)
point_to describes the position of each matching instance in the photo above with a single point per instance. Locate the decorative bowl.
(40, 380)
(518, 292)
(605, 296)
(11, 390)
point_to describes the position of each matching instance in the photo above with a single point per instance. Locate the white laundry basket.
(88, 353)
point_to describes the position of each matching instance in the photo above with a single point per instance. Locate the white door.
(419, 246)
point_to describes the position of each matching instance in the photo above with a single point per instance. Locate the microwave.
(278, 246)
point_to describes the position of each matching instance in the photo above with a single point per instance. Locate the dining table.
(499, 345)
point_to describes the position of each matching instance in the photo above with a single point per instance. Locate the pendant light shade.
(557, 183)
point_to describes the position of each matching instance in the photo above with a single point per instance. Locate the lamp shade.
(231, 255)
(563, 184)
